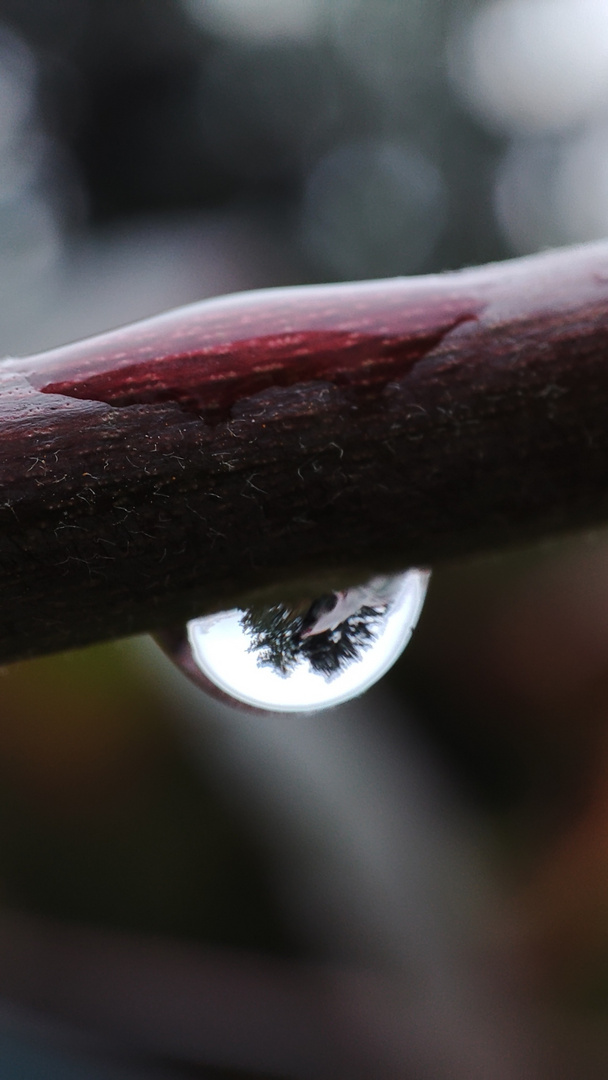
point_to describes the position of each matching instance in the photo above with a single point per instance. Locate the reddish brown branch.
(243, 444)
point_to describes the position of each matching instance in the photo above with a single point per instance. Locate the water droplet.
(310, 657)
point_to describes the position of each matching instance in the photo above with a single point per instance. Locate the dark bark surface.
(193, 460)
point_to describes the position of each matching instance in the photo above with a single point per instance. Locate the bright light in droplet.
(220, 648)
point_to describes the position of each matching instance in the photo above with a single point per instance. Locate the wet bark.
(292, 440)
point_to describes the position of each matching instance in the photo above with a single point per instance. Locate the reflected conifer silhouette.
(282, 636)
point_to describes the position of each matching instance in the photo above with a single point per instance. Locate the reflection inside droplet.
(316, 655)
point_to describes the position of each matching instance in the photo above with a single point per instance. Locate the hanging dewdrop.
(312, 657)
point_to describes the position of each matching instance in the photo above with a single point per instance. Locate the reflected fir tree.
(282, 637)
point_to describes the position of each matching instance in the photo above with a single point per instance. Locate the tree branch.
(261, 441)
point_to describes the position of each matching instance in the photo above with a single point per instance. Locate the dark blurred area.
(413, 886)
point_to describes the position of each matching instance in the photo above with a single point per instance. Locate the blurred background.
(411, 886)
